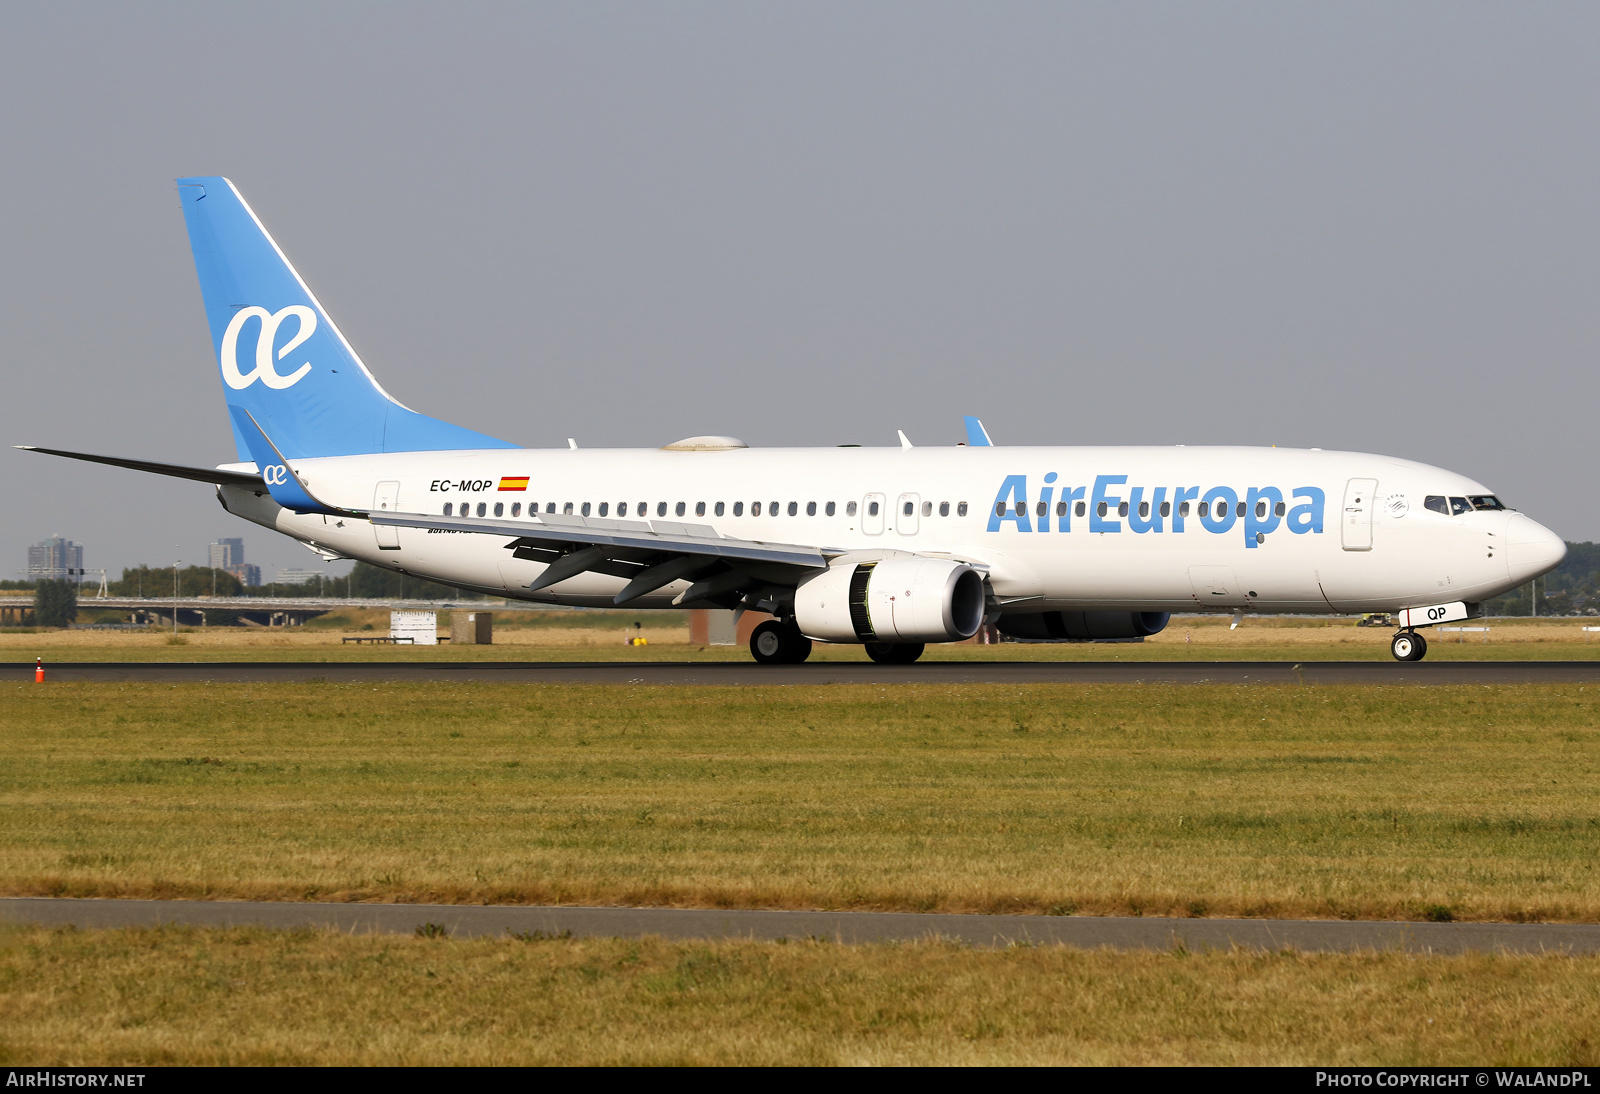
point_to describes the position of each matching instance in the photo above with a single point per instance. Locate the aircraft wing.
(650, 554)
(171, 470)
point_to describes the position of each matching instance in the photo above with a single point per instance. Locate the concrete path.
(661, 673)
(681, 923)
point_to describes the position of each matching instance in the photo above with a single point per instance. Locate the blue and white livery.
(889, 548)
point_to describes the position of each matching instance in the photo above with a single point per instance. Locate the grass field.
(589, 636)
(151, 997)
(1359, 802)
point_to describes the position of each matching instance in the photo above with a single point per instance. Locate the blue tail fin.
(281, 357)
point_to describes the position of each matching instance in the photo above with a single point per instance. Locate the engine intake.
(1083, 626)
(892, 600)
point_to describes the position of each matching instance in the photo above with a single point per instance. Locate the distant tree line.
(363, 581)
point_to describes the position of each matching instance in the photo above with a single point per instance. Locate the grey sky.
(1366, 226)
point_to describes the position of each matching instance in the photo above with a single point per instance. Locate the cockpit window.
(1436, 503)
(1459, 506)
(1485, 501)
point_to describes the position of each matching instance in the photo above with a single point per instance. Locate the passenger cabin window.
(909, 509)
(738, 508)
(482, 508)
(1459, 506)
(1485, 501)
(1042, 509)
(1205, 509)
(999, 508)
(944, 509)
(1436, 503)
(1122, 510)
(772, 509)
(830, 509)
(605, 508)
(679, 509)
(811, 508)
(1166, 508)
(850, 509)
(1102, 509)
(447, 507)
(719, 509)
(872, 509)
(1183, 510)
(516, 508)
(961, 509)
(927, 508)
(585, 508)
(567, 509)
(794, 508)
(699, 508)
(1081, 508)
(661, 508)
(550, 507)
(1061, 508)
(1239, 510)
(1144, 510)
(1261, 509)
(1279, 509)
(499, 509)
(755, 509)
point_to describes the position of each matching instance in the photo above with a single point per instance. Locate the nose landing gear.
(1408, 646)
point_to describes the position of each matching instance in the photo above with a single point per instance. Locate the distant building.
(55, 558)
(248, 573)
(296, 577)
(227, 555)
(227, 552)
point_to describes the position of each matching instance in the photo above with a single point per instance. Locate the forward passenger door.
(1355, 520)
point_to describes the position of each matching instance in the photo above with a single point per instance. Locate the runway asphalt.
(714, 673)
(1090, 932)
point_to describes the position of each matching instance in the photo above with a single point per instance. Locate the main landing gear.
(1408, 646)
(775, 643)
(895, 653)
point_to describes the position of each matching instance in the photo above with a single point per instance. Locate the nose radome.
(1531, 548)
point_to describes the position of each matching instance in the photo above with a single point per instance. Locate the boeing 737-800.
(888, 548)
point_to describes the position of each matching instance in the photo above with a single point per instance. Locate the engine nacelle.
(1083, 626)
(905, 599)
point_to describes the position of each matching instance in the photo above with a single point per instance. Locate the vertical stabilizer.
(281, 358)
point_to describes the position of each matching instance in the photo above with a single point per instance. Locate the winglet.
(905, 442)
(977, 436)
(283, 482)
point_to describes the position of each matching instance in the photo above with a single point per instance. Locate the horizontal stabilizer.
(171, 470)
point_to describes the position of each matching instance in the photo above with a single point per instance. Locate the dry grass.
(151, 997)
(1355, 802)
(583, 636)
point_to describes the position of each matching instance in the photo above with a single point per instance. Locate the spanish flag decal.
(514, 483)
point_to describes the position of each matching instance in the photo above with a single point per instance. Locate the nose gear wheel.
(1408, 646)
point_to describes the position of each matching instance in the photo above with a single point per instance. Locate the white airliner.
(889, 548)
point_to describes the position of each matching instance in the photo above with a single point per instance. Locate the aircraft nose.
(1531, 548)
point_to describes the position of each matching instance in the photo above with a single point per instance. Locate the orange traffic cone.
(38, 670)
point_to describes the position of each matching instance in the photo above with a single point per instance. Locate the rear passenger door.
(386, 499)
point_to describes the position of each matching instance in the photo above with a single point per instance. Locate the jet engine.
(1083, 626)
(900, 600)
